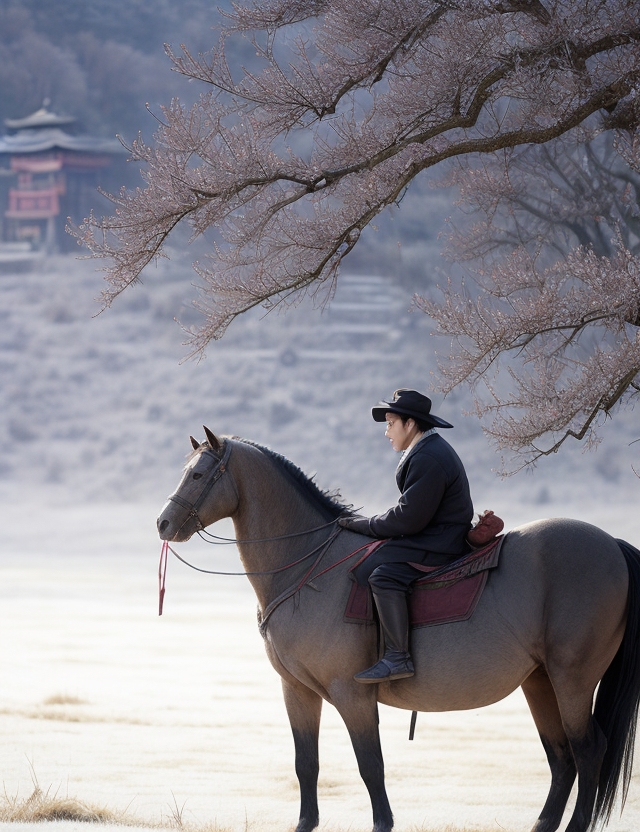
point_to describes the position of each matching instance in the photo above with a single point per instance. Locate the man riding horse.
(428, 525)
(562, 619)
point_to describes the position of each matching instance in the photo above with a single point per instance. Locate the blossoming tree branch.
(288, 162)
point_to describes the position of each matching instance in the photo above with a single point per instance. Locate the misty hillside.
(99, 407)
(101, 62)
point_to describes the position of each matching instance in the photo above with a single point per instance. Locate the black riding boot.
(394, 620)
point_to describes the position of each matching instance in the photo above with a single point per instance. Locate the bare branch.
(288, 164)
(554, 347)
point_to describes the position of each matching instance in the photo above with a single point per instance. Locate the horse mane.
(330, 502)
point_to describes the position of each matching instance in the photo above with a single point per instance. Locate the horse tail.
(618, 698)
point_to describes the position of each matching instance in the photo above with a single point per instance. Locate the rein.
(266, 571)
(216, 540)
(321, 549)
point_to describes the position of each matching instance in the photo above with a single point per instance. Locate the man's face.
(400, 434)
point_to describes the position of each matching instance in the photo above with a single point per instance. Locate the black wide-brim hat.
(409, 403)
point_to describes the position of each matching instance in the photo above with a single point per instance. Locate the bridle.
(193, 508)
(214, 475)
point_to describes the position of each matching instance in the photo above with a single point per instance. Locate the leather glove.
(356, 524)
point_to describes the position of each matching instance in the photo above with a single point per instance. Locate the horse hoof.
(307, 825)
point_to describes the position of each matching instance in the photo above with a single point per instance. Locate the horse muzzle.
(163, 529)
(176, 526)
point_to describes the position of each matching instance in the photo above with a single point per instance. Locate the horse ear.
(212, 439)
(195, 443)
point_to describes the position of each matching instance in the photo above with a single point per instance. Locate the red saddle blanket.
(446, 593)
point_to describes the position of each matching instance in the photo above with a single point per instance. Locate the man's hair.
(421, 424)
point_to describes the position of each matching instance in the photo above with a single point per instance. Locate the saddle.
(446, 593)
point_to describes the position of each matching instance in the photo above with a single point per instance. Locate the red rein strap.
(370, 547)
(164, 555)
(162, 573)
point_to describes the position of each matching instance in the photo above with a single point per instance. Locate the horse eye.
(197, 475)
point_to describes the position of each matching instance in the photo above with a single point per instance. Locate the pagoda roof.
(42, 118)
(53, 138)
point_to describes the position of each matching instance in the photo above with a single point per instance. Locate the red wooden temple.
(48, 174)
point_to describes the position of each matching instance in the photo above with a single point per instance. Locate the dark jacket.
(434, 511)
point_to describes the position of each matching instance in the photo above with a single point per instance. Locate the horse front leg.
(304, 707)
(359, 710)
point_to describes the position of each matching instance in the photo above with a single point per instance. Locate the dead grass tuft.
(64, 699)
(46, 806)
(176, 820)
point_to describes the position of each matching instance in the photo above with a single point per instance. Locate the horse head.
(206, 492)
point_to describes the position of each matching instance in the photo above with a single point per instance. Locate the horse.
(559, 617)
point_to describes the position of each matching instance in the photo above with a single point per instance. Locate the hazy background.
(99, 407)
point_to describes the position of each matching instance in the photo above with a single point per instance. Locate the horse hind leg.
(588, 743)
(304, 708)
(543, 704)
(588, 750)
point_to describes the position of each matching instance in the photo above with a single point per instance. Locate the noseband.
(214, 475)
